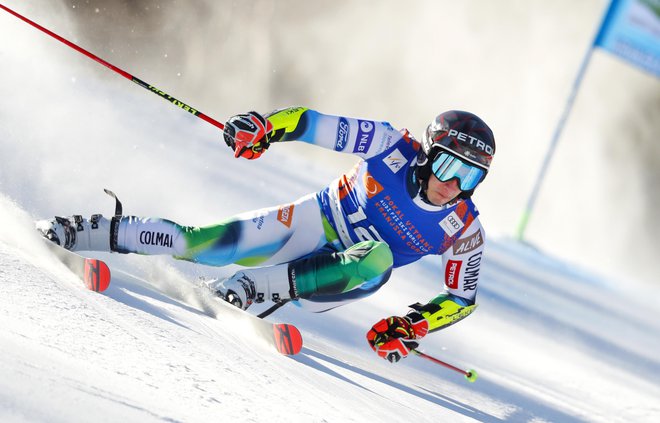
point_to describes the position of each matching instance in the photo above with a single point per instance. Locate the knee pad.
(372, 258)
(340, 272)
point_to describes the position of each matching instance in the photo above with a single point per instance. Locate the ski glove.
(248, 134)
(393, 338)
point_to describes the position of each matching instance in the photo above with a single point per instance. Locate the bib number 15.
(359, 222)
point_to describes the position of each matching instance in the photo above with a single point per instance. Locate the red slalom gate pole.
(121, 72)
(470, 375)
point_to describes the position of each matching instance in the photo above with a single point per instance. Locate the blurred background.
(512, 62)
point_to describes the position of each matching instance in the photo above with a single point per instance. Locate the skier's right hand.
(393, 338)
(248, 135)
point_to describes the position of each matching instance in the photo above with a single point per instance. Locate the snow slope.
(138, 354)
(550, 342)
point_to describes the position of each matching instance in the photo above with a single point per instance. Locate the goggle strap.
(462, 157)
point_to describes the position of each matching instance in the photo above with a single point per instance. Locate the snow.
(137, 354)
(551, 342)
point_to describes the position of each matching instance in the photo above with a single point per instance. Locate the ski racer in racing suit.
(402, 201)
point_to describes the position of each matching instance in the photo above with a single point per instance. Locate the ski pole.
(123, 73)
(470, 375)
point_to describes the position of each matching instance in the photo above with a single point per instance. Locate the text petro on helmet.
(464, 136)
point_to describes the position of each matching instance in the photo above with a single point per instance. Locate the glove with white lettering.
(393, 338)
(248, 134)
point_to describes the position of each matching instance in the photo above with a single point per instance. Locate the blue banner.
(631, 30)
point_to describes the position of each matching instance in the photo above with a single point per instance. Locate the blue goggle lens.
(447, 167)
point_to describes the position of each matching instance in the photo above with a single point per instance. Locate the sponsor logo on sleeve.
(343, 132)
(386, 141)
(155, 238)
(395, 161)
(452, 224)
(366, 131)
(471, 276)
(452, 273)
(259, 220)
(285, 215)
(465, 245)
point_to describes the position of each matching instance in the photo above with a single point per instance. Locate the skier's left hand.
(393, 338)
(248, 135)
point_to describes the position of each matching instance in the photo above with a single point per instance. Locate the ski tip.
(96, 275)
(288, 339)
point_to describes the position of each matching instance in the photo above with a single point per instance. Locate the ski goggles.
(447, 167)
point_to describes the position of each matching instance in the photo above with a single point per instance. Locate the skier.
(403, 200)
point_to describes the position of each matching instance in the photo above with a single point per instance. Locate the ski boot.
(256, 285)
(238, 290)
(76, 233)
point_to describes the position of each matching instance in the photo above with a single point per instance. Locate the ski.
(94, 273)
(285, 337)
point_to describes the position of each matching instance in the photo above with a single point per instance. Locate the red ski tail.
(96, 275)
(288, 339)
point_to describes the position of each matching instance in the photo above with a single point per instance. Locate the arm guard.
(289, 124)
(444, 310)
